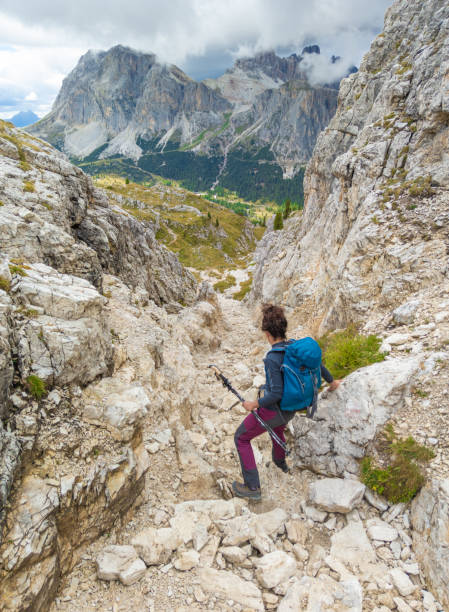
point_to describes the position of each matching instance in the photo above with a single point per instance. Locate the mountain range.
(24, 118)
(251, 130)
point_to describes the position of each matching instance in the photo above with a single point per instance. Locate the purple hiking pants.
(249, 429)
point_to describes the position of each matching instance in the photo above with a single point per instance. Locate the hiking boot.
(283, 466)
(241, 490)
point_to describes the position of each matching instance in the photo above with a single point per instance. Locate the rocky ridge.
(122, 102)
(373, 233)
(73, 461)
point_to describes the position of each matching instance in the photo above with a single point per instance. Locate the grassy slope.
(197, 241)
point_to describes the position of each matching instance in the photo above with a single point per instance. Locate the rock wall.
(430, 521)
(371, 248)
(374, 227)
(87, 359)
(51, 213)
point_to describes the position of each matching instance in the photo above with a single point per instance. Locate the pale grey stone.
(336, 494)
(274, 568)
(214, 508)
(350, 417)
(246, 527)
(227, 585)
(117, 406)
(375, 500)
(402, 582)
(187, 560)
(405, 314)
(234, 554)
(380, 530)
(351, 545)
(401, 605)
(120, 563)
(155, 546)
(317, 516)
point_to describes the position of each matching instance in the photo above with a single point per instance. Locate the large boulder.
(336, 494)
(430, 522)
(65, 337)
(155, 546)
(119, 407)
(274, 568)
(350, 417)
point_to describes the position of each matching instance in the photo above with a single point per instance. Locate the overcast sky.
(42, 40)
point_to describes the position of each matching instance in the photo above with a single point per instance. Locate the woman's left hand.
(250, 406)
(334, 385)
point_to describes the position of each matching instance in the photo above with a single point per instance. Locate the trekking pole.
(226, 383)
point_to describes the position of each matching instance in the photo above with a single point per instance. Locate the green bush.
(278, 223)
(245, 287)
(16, 269)
(226, 283)
(5, 285)
(346, 351)
(36, 386)
(401, 477)
(29, 187)
(287, 208)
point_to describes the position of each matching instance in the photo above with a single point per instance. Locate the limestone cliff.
(374, 228)
(85, 341)
(371, 248)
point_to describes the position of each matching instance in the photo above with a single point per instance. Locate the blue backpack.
(302, 375)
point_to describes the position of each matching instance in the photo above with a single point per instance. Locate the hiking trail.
(164, 587)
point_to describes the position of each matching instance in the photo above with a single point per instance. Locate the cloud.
(46, 38)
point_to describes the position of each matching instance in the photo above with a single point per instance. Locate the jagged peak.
(311, 49)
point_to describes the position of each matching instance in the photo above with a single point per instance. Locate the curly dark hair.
(274, 321)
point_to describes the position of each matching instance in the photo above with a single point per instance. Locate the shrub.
(224, 284)
(287, 208)
(244, 289)
(28, 186)
(278, 223)
(5, 285)
(17, 269)
(401, 477)
(36, 386)
(127, 181)
(347, 350)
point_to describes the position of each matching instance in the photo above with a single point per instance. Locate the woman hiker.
(274, 325)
